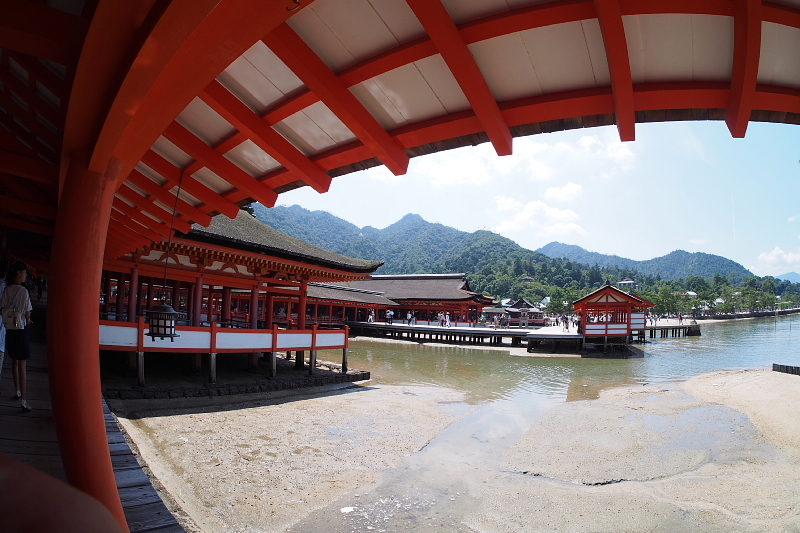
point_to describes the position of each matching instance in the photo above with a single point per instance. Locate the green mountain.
(674, 265)
(413, 245)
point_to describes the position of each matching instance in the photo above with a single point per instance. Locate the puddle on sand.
(430, 491)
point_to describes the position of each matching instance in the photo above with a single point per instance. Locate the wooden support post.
(197, 363)
(197, 302)
(119, 310)
(252, 362)
(226, 305)
(107, 292)
(299, 359)
(212, 368)
(272, 364)
(133, 295)
(176, 294)
(140, 367)
(254, 306)
(312, 362)
(344, 360)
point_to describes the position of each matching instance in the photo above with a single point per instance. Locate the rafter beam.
(260, 132)
(28, 167)
(19, 223)
(219, 164)
(746, 56)
(444, 34)
(148, 205)
(29, 95)
(33, 128)
(28, 208)
(193, 187)
(42, 74)
(619, 66)
(140, 218)
(35, 29)
(134, 229)
(187, 211)
(306, 65)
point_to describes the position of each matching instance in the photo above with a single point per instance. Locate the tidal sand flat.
(718, 453)
(264, 465)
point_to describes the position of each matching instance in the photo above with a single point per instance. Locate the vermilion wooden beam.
(610, 17)
(444, 34)
(261, 133)
(34, 127)
(306, 65)
(190, 185)
(28, 167)
(216, 162)
(780, 14)
(159, 227)
(28, 208)
(29, 95)
(42, 74)
(125, 224)
(777, 99)
(147, 204)
(746, 56)
(19, 223)
(10, 143)
(182, 56)
(187, 211)
(35, 29)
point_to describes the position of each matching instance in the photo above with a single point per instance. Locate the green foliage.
(499, 267)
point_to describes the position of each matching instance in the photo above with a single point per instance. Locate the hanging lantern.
(162, 319)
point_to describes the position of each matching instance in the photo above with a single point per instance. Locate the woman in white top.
(17, 297)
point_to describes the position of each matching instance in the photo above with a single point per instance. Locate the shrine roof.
(250, 234)
(615, 293)
(347, 294)
(452, 287)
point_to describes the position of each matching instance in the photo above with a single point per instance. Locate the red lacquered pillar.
(133, 296)
(73, 331)
(254, 305)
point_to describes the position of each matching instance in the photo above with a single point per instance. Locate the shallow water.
(490, 375)
(505, 394)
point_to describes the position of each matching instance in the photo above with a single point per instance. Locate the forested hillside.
(501, 268)
(674, 265)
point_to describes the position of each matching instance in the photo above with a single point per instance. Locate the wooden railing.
(132, 337)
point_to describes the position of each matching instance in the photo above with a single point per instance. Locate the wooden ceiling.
(240, 100)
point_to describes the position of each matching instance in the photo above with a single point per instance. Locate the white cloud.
(699, 242)
(504, 203)
(541, 219)
(565, 193)
(792, 219)
(777, 262)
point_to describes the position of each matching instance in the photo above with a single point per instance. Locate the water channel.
(504, 395)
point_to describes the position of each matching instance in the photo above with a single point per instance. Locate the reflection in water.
(490, 375)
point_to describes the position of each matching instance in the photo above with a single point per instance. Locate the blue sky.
(680, 185)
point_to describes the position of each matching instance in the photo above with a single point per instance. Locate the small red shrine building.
(427, 295)
(611, 314)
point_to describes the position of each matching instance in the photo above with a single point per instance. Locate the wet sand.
(717, 453)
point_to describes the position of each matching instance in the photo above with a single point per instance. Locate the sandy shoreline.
(719, 452)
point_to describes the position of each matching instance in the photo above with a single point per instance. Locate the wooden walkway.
(31, 438)
(475, 336)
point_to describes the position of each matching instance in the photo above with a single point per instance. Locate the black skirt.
(17, 344)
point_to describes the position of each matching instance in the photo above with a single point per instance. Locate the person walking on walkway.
(2, 326)
(16, 304)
